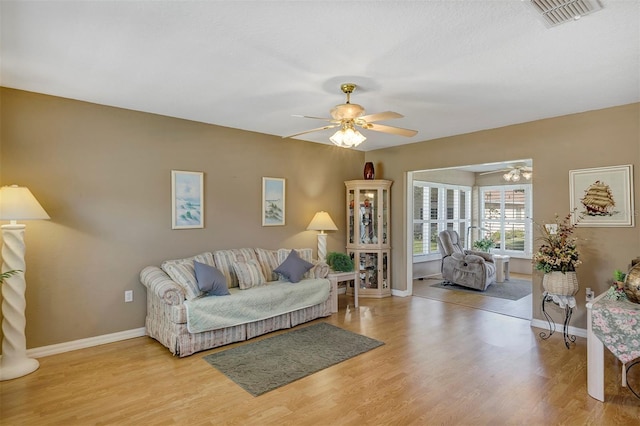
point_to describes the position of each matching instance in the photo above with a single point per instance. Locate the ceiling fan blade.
(316, 118)
(495, 171)
(389, 129)
(380, 116)
(312, 130)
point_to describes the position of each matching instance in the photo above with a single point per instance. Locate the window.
(437, 207)
(504, 213)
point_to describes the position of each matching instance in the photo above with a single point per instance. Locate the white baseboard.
(580, 332)
(85, 343)
(400, 293)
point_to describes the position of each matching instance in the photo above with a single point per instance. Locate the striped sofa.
(173, 283)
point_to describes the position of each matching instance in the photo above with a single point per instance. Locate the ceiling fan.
(514, 173)
(347, 116)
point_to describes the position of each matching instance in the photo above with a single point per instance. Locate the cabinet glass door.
(368, 211)
(367, 264)
(385, 215)
(385, 270)
(351, 226)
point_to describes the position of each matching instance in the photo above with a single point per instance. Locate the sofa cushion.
(224, 260)
(249, 274)
(303, 253)
(182, 271)
(210, 280)
(269, 261)
(293, 268)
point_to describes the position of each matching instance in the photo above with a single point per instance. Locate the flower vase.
(560, 283)
(369, 172)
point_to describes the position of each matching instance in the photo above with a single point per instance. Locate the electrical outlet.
(589, 295)
(128, 296)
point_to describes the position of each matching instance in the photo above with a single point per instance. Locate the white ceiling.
(449, 67)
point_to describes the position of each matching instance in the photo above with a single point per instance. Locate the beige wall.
(605, 137)
(103, 175)
(449, 176)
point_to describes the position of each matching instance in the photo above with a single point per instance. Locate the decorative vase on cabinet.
(368, 235)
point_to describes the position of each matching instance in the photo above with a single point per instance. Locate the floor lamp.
(322, 222)
(16, 203)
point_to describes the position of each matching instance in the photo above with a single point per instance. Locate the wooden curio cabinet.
(368, 235)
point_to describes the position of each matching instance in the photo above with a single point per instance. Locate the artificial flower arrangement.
(558, 251)
(616, 291)
(484, 244)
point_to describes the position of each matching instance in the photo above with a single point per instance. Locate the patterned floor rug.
(514, 289)
(263, 365)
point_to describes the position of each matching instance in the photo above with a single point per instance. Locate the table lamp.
(322, 222)
(16, 203)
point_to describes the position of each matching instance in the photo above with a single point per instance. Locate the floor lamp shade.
(16, 203)
(322, 222)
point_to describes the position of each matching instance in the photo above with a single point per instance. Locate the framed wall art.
(273, 201)
(187, 200)
(603, 196)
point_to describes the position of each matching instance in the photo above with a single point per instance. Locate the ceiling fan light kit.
(347, 137)
(514, 175)
(347, 116)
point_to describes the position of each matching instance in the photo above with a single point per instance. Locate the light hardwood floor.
(442, 364)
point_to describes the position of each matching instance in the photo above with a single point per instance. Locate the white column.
(322, 246)
(14, 362)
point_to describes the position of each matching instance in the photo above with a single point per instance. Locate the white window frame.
(528, 208)
(442, 220)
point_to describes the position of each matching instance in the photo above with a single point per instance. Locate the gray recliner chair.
(468, 268)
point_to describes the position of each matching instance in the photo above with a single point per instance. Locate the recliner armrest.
(488, 257)
(458, 256)
(472, 258)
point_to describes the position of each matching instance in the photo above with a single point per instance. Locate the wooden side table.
(339, 277)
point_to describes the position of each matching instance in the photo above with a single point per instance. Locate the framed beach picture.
(187, 200)
(602, 196)
(273, 194)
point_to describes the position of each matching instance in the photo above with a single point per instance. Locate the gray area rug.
(514, 289)
(263, 365)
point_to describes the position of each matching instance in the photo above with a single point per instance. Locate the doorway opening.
(489, 206)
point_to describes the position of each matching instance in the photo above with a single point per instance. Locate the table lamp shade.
(18, 203)
(322, 222)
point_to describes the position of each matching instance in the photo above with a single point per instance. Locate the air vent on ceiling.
(556, 12)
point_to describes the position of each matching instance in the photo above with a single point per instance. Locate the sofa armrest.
(320, 270)
(160, 285)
